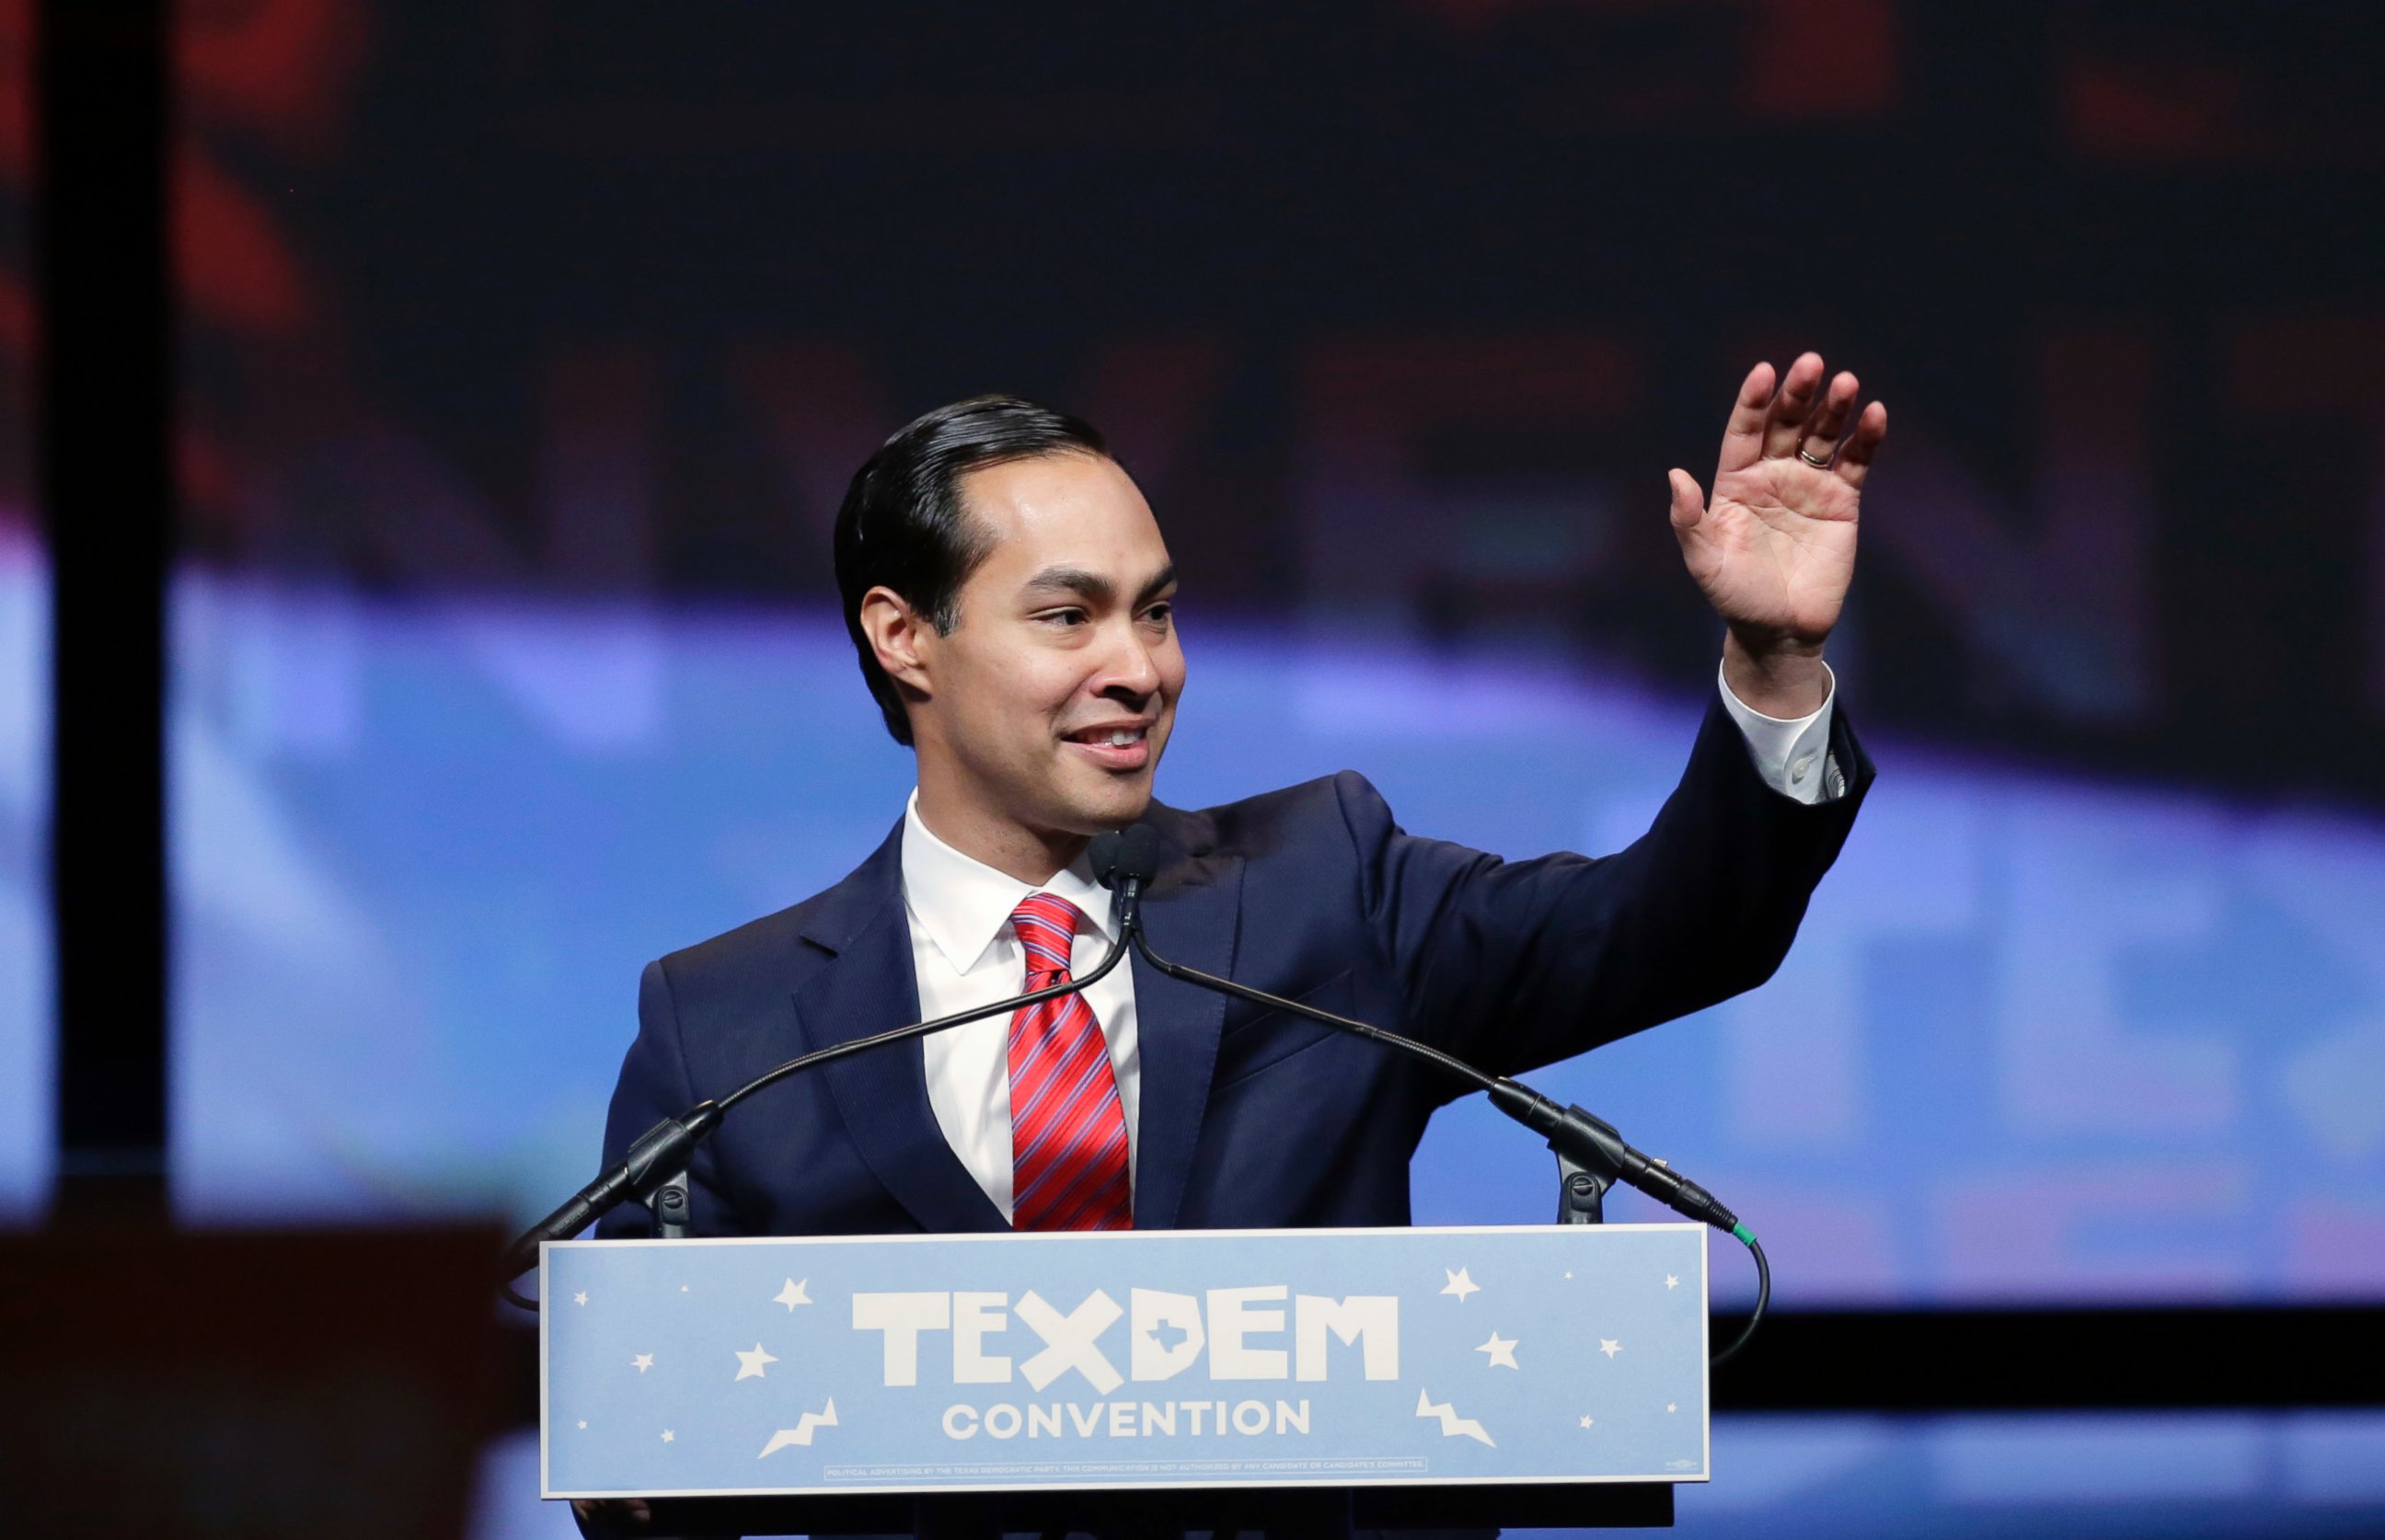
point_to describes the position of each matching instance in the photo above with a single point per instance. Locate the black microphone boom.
(1582, 1141)
(663, 1151)
(656, 1156)
(1125, 862)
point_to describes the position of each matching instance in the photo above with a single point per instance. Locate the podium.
(1296, 1381)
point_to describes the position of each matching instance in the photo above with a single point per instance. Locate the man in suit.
(1011, 602)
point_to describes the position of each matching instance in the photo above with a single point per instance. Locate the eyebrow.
(1093, 586)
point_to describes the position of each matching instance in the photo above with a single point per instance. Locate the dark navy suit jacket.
(1248, 1118)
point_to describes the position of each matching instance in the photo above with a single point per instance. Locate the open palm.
(1774, 550)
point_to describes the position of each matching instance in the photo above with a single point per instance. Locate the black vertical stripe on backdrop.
(105, 383)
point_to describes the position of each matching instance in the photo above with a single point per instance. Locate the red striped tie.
(1068, 1131)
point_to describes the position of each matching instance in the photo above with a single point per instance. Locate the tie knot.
(1047, 927)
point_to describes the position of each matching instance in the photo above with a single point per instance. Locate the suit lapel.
(883, 1094)
(1192, 915)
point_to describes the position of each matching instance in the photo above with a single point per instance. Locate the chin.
(1111, 807)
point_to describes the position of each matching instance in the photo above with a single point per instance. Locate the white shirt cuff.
(1793, 756)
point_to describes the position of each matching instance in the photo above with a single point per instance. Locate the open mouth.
(1117, 747)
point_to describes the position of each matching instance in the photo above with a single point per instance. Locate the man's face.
(1055, 691)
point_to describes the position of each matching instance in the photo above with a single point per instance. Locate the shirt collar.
(963, 903)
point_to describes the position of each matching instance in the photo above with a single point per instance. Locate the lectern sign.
(1124, 1359)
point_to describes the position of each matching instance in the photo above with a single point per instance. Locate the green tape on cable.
(1742, 1234)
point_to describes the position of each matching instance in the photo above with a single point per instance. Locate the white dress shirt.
(964, 953)
(1792, 755)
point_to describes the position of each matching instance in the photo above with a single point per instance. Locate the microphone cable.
(663, 1151)
(1571, 1131)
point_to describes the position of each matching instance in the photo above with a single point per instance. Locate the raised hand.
(1774, 550)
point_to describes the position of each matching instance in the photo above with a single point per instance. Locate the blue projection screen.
(2041, 1039)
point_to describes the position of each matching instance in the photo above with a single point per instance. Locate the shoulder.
(774, 941)
(1336, 809)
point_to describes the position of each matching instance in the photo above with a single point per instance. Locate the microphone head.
(1132, 851)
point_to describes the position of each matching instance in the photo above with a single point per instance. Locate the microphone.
(662, 1152)
(654, 1157)
(1127, 861)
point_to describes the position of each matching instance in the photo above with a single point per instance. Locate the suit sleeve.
(1516, 965)
(654, 1085)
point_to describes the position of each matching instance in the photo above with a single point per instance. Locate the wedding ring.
(1818, 462)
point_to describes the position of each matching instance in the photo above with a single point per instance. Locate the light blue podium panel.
(1123, 1360)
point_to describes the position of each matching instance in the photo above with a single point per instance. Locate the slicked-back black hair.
(902, 524)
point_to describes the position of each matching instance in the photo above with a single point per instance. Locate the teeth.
(1121, 737)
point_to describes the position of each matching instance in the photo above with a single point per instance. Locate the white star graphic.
(1585, 1422)
(642, 1362)
(1672, 1406)
(1568, 1274)
(1608, 1346)
(1460, 1284)
(1502, 1351)
(1671, 1281)
(583, 1421)
(580, 1297)
(669, 1435)
(682, 1288)
(793, 1295)
(749, 1365)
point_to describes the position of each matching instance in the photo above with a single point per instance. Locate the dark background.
(2107, 262)
(1399, 312)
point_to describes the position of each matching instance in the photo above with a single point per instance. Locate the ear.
(901, 637)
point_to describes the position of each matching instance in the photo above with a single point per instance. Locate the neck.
(984, 834)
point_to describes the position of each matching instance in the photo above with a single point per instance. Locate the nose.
(1129, 670)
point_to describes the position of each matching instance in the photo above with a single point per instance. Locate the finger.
(1800, 389)
(1688, 504)
(1743, 437)
(1829, 418)
(1855, 454)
